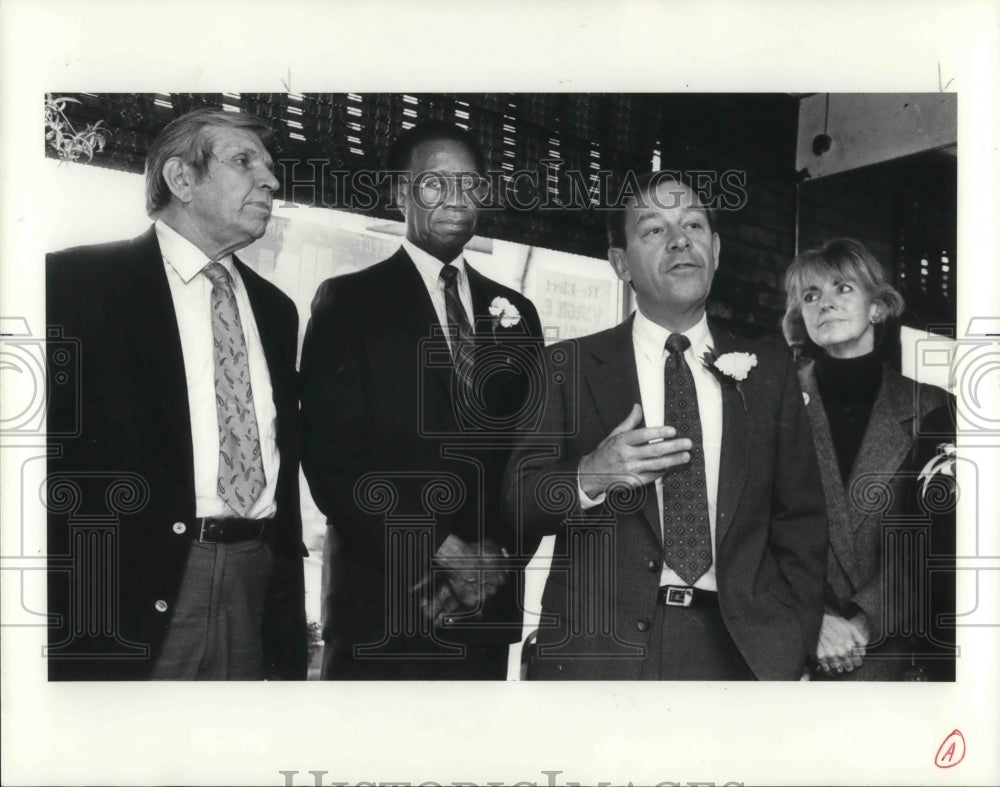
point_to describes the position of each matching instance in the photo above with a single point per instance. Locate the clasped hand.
(842, 643)
(632, 456)
(465, 576)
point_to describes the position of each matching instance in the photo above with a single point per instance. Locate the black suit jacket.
(771, 532)
(121, 471)
(387, 442)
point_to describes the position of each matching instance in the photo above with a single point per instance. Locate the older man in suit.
(175, 537)
(675, 466)
(416, 378)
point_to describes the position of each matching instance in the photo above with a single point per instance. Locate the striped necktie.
(460, 329)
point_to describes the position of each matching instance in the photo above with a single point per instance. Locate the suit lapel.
(734, 456)
(838, 509)
(410, 312)
(485, 331)
(612, 380)
(148, 306)
(407, 304)
(267, 329)
(481, 298)
(888, 435)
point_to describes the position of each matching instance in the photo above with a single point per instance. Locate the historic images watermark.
(550, 187)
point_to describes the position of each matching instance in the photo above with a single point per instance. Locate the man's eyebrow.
(237, 148)
(250, 152)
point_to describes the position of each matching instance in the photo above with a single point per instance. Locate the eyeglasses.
(434, 188)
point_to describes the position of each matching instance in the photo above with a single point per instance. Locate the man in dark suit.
(416, 377)
(174, 530)
(683, 489)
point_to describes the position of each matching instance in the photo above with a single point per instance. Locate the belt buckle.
(201, 532)
(678, 596)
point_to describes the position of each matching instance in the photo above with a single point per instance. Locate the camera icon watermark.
(969, 367)
(34, 371)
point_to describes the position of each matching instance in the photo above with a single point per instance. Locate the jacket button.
(180, 528)
(653, 566)
(643, 624)
(161, 605)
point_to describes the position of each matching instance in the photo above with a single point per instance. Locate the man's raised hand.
(632, 456)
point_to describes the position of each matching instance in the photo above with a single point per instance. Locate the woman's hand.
(842, 642)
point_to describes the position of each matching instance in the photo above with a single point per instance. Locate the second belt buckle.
(679, 597)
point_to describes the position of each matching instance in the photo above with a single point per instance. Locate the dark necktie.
(461, 331)
(241, 467)
(687, 547)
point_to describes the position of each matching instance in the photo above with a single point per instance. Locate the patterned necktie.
(687, 547)
(461, 333)
(241, 468)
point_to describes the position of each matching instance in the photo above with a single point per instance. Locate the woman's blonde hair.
(840, 258)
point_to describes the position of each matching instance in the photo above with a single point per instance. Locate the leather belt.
(230, 530)
(684, 596)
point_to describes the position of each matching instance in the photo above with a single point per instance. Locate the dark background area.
(904, 210)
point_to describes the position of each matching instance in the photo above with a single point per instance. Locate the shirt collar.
(650, 337)
(428, 265)
(186, 258)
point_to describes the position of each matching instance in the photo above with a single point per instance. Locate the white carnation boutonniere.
(942, 464)
(504, 313)
(730, 368)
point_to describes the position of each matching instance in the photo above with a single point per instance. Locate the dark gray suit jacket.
(771, 532)
(881, 488)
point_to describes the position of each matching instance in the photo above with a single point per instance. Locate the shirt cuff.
(585, 500)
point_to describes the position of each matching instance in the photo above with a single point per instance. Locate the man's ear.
(402, 189)
(716, 246)
(616, 257)
(179, 178)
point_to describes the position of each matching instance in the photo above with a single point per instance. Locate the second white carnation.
(736, 365)
(505, 312)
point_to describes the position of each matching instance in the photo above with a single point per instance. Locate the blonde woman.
(865, 421)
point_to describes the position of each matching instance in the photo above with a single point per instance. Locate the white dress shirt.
(429, 268)
(648, 343)
(192, 297)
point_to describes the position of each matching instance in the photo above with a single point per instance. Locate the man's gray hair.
(185, 138)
